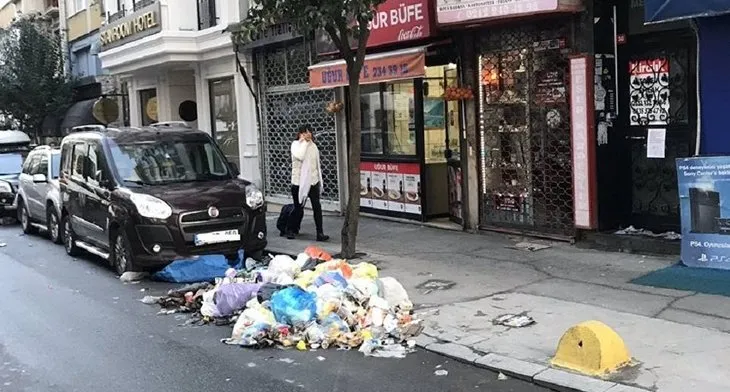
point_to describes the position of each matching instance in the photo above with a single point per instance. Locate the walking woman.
(306, 179)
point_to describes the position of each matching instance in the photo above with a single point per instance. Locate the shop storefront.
(646, 115)
(411, 116)
(281, 57)
(524, 111)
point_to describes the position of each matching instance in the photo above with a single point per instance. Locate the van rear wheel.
(69, 238)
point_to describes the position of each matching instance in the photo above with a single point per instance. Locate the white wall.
(181, 88)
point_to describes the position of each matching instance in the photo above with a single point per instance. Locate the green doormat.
(679, 277)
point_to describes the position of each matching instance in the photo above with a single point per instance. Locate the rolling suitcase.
(288, 215)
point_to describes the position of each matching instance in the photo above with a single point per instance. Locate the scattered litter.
(150, 300)
(321, 358)
(116, 298)
(289, 381)
(529, 246)
(228, 379)
(631, 230)
(251, 365)
(502, 377)
(514, 320)
(310, 302)
(2, 244)
(286, 360)
(129, 277)
(441, 372)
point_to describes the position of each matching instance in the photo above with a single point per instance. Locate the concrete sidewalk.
(461, 282)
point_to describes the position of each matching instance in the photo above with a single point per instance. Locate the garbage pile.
(312, 302)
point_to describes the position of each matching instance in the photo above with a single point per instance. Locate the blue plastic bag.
(333, 277)
(294, 306)
(202, 269)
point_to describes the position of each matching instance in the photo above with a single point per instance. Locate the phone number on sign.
(384, 71)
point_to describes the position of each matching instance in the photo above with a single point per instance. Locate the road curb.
(539, 374)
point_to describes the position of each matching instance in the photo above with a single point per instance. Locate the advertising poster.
(649, 91)
(412, 187)
(379, 178)
(366, 188)
(391, 187)
(395, 190)
(704, 196)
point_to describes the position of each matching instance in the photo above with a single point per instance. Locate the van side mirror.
(99, 177)
(39, 178)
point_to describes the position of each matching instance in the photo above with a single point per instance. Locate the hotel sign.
(140, 24)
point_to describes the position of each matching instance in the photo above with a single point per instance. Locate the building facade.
(175, 63)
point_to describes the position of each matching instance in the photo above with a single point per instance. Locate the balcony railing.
(206, 14)
(117, 15)
(139, 4)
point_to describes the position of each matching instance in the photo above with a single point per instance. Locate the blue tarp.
(667, 10)
(201, 269)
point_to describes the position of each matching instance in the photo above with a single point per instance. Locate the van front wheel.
(122, 258)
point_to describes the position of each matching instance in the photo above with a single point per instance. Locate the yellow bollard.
(591, 348)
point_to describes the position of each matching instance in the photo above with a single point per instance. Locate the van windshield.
(165, 162)
(11, 163)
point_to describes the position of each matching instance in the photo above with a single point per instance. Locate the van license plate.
(217, 237)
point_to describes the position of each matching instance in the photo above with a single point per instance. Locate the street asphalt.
(70, 325)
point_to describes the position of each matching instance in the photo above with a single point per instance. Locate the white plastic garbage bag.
(393, 292)
(283, 264)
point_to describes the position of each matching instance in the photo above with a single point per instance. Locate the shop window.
(224, 117)
(148, 101)
(388, 119)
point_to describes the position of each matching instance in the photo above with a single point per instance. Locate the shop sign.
(649, 91)
(390, 186)
(394, 21)
(583, 143)
(704, 186)
(468, 11)
(279, 32)
(377, 68)
(140, 24)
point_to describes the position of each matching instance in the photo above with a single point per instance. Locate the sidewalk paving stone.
(675, 348)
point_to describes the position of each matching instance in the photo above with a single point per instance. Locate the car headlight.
(5, 187)
(150, 206)
(254, 197)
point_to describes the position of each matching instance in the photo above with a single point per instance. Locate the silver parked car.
(39, 198)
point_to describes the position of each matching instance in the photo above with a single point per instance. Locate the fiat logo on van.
(213, 212)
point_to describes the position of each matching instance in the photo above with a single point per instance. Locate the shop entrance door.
(657, 86)
(453, 148)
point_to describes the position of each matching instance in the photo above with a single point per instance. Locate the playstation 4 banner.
(704, 194)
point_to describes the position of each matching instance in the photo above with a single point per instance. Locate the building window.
(388, 119)
(76, 6)
(148, 102)
(224, 117)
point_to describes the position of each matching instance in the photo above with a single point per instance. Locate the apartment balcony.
(156, 32)
(50, 7)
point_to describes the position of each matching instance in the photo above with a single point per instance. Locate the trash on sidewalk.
(198, 269)
(441, 372)
(514, 320)
(529, 246)
(307, 303)
(130, 277)
(502, 377)
(631, 230)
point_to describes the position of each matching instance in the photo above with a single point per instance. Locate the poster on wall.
(649, 91)
(393, 187)
(704, 197)
(366, 188)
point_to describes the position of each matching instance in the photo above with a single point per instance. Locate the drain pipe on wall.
(696, 29)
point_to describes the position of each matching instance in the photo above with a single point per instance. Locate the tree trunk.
(352, 210)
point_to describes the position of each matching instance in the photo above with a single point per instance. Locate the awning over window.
(656, 11)
(377, 68)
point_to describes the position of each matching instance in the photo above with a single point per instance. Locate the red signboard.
(394, 21)
(399, 20)
(377, 68)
